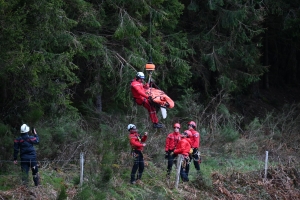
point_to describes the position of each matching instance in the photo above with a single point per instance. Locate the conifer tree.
(36, 58)
(226, 37)
(118, 37)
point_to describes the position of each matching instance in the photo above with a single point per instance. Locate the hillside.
(232, 170)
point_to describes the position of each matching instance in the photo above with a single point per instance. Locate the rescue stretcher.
(160, 98)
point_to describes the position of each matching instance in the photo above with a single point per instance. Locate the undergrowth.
(227, 148)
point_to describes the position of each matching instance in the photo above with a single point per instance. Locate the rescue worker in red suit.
(138, 90)
(137, 145)
(171, 142)
(184, 147)
(195, 145)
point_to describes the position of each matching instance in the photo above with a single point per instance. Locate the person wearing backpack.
(137, 143)
(24, 146)
(184, 148)
(195, 138)
(171, 142)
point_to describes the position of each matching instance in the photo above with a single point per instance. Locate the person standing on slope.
(184, 147)
(171, 142)
(195, 138)
(137, 144)
(24, 145)
(138, 90)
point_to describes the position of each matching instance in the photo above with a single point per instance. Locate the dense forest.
(66, 67)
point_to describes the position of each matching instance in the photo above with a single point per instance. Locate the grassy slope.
(233, 170)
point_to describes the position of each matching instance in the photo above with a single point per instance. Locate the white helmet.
(25, 128)
(131, 126)
(140, 75)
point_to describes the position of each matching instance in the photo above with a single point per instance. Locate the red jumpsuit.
(183, 147)
(195, 138)
(136, 141)
(172, 140)
(139, 94)
(195, 145)
(171, 143)
(137, 148)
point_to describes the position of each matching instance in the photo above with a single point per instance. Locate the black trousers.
(25, 166)
(196, 159)
(185, 168)
(137, 166)
(170, 162)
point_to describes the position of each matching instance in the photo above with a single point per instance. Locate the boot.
(36, 179)
(168, 174)
(157, 125)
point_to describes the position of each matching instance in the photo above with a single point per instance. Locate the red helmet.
(192, 123)
(187, 133)
(176, 125)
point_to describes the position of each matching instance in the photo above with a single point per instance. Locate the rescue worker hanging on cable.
(171, 142)
(24, 145)
(195, 138)
(138, 90)
(137, 145)
(184, 148)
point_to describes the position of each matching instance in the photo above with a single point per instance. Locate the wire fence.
(127, 163)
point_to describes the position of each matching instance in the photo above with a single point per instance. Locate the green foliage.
(34, 114)
(188, 105)
(4, 129)
(227, 36)
(254, 127)
(106, 175)
(228, 84)
(7, 139)
(62, 194)
(37, 60)
(6, 182)
(223, 110)
(58, 132)
(88, 193)
(229, 134)
(228, 164)
(76, 180)
(52, 178)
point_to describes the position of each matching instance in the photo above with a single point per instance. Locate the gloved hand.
(167, 155)
(150, 98)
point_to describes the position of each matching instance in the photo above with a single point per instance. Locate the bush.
(229, 134)
(7, 139)
(62, 194)
(88, 192)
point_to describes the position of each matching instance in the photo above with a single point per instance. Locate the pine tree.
(226, 37)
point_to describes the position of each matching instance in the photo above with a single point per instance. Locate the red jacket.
(195, 138)
(172, 140)
(138, 89)
(183, 147)
(136, 141)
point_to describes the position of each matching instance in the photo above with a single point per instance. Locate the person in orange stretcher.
(138, 89)
(184, 148)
